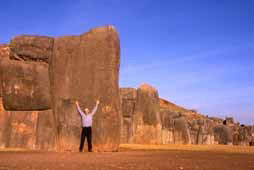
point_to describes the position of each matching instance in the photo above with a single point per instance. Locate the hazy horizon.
(198, 54)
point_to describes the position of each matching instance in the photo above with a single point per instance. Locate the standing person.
(87, 120)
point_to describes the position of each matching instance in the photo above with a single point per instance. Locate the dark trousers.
(86, 133)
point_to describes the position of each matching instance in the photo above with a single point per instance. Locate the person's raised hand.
(76, 102)
(97, 102)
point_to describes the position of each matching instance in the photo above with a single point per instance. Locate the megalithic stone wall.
(86, 68)
(37, 105)
(26, 121)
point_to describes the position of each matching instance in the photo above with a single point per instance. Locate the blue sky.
(197, 53)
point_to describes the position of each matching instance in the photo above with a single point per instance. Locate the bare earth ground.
(134, 157)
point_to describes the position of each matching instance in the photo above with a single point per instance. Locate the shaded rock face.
(243, 135)
(202, 131)
(128, 101)
(86, 68)
(181, 132)
(223, 134)
(31, 48)
(25, 86)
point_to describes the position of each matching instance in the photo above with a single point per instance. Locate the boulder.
(86, 68)
(31, 48)
(25, 86)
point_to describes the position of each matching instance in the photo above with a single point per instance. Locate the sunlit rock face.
(86, 68)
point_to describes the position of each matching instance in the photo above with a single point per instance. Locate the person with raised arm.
(87, 120)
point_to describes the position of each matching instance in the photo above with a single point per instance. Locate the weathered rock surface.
(86, 68)
(4, 125)
(128, 101)
(31, 48)
(141, 115)
(223, 134)
(177, 125)
(181, 131)
(25, 86)
(26, 129)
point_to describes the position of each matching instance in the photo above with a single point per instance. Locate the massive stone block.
(86, 68)
(32, 48)
(146, 118)
(27, 129)
(25, 86)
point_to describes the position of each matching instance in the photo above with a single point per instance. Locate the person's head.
(86, 111)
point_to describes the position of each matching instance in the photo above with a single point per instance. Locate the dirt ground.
(126, 159)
